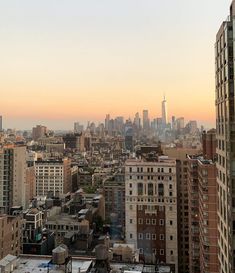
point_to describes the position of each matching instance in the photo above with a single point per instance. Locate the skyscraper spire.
(164, 111)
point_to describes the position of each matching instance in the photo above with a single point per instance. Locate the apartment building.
(53, 176)
(114, 192)
(10, 235)
(225, 135)
(180, 154)
(12, 177)
(151, 208)
(202, 198)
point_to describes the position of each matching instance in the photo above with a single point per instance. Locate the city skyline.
(46, 78)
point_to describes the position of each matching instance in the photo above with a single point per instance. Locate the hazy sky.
(62, 61)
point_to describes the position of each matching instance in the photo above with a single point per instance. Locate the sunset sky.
(76, 60)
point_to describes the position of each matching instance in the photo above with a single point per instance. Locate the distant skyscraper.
(106, 124)
(145, 120)
(224, 101)
(164, 112)
(129, 137)
(0, 123)
(137, 120)
(78, 128)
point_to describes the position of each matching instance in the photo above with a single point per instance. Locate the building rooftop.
(38, 264)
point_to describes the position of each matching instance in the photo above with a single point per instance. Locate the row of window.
(150, 170)
(153, 236)
(150, 177)
(161, 251)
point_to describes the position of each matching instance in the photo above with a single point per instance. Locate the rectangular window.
(161, 222)
(148, 236)
(153, 221)
(140, 221)
(153, 236)
(140, 236)
(161, 237)
(147, 221)
(161, 251)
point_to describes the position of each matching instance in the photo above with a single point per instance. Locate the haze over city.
(83, 59)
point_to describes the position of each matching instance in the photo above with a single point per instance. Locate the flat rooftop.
(38, 264)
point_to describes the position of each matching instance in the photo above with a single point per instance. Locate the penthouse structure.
(151, 208)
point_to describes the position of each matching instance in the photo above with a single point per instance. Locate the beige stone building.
(151, 209)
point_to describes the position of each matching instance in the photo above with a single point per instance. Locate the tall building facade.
(10, 235)
(202, 203)
(12, 177)
(225, 134)
(151, 209)
(180, 154)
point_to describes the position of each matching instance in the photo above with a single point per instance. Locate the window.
(147, 221)
(170, 170)
(161, 251)
(154, 236)
(130, 169)
(172, 252)
(171, 222)
(161, 237)
(140, 236)
(130, 192)
(161, 222)
(140, 188)
(148, 236)
(154, 221)
(140, 221)
(131, 207)
(160, 189)
(171, 237)
(131, 221)
(150, 189)
(170, 186)
(131, 236)
(130, 185)
(141, 250)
